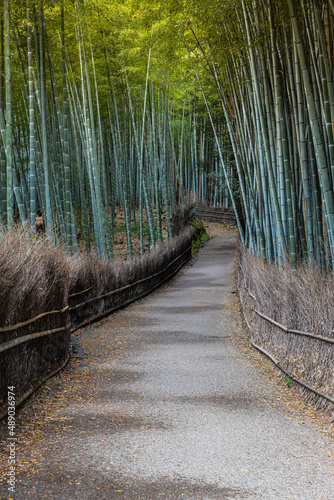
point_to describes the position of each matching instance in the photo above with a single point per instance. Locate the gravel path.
(164, 405)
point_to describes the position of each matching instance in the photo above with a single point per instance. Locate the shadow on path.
(166, 406)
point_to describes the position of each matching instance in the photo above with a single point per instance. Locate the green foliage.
(287, 381)
(144, 119)
(200, 235)
(135, 230)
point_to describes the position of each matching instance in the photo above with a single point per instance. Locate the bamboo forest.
(141, 105)
(167, 249)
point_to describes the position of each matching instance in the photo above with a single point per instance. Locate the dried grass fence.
(290, 316)
(45, 295)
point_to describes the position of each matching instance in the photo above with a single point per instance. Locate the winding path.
(165, 405)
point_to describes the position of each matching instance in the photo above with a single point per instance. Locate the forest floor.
(119, 237)
(167, 400)
(119, 242)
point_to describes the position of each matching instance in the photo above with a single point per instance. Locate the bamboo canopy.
(103, 106)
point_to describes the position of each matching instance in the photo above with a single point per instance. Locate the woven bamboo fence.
(37, 348)
(305, 358)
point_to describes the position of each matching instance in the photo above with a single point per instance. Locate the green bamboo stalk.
(65, 132)
(9, 144)
(3, 134)
(32, 169)
(48, 214)
(326, 185)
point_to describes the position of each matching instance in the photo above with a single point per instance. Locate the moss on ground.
(200, 234)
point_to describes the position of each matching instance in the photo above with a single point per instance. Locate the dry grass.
(105, 277)
(301, 300)
(36, 277)
(183, 213)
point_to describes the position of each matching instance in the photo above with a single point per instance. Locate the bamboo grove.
(230, 100)
(272, 66)
(285, 119)
(83, 132)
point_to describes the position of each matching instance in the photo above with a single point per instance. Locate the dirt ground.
(119, 236)
(214, 229)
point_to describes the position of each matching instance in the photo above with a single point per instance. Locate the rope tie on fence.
(250, 293)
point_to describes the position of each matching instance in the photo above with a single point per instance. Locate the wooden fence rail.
(11, 328)
(20, 340)
(121, 297)
(287, 330)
